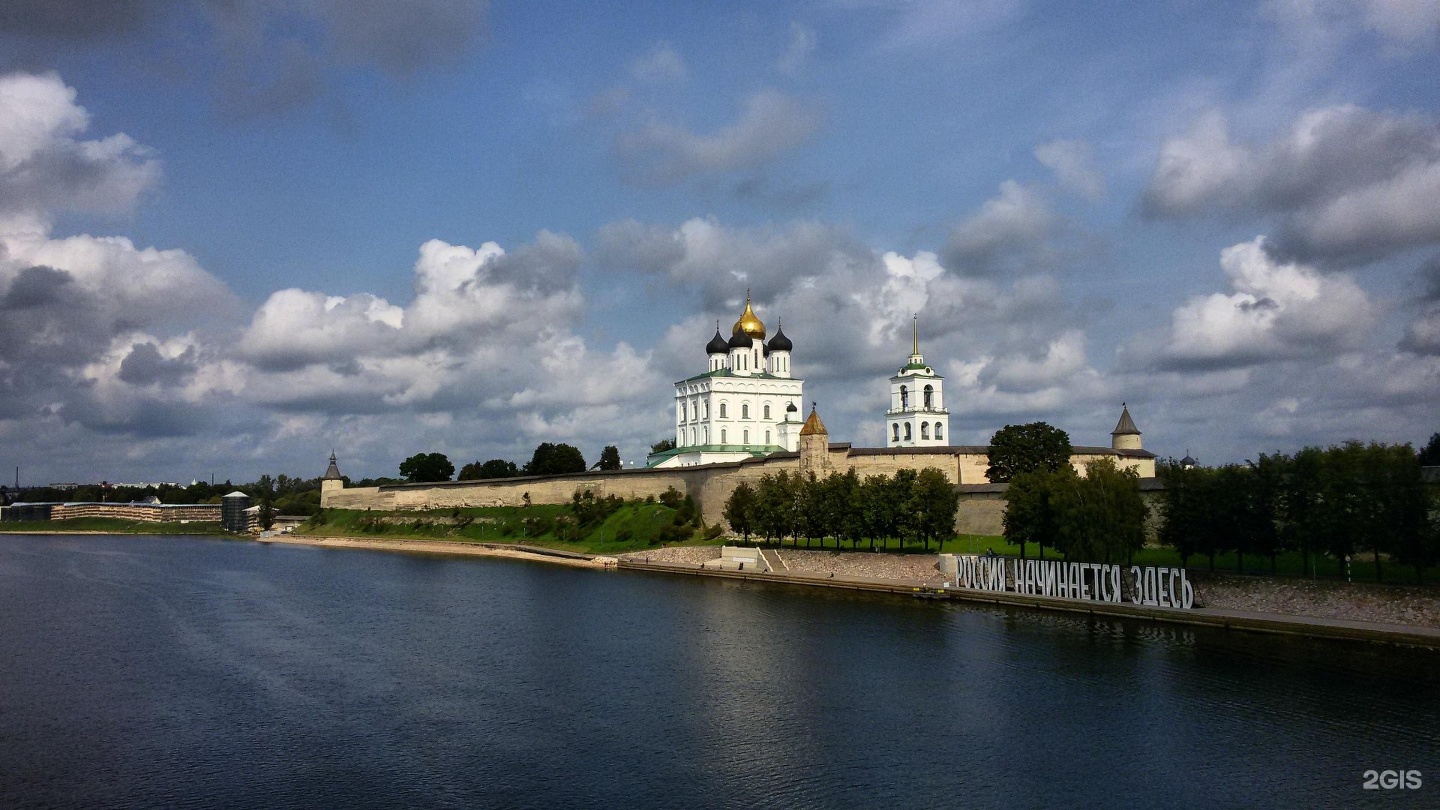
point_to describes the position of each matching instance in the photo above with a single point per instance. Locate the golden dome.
(748, 323)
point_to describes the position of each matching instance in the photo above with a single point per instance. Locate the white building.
(745, 405)
(917, 416)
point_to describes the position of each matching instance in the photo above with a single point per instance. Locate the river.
(181, 671)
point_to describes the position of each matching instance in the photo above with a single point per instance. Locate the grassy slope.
(110, 525)
(635, 526)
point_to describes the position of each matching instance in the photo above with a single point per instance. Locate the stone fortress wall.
(981, 503)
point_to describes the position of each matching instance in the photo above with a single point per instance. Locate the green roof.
(725, 372)
(755, 450)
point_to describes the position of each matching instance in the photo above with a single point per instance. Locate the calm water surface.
(198, 672)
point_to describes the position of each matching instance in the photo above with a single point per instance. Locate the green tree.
(267, 514)
(662, 446)
(427, 468)
(845, 507)
(740, 510)
(1016, 449)
(1030, 511)
(1100, 517)
(610, 458)
(555, 459)
(879, 512)
(935, 503)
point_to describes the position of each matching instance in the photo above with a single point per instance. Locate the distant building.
(232, 512)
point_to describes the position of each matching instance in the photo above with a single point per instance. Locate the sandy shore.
(437, 547)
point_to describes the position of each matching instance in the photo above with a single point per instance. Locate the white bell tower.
(917, 416)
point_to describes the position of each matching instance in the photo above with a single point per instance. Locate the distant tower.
(331, 481)
(917, 416)
(1125, 436)
(814, 445)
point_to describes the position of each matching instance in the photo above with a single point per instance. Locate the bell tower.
(917, 416)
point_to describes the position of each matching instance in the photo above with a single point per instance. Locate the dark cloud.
(75, 20)
(1012, 232)
(145, 365)
(36, 287)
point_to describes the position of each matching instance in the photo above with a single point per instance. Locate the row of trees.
(548, 459)
(1099, 517)
(1339, 501)
(906, 506)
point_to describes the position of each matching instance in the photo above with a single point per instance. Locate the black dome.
(791, 408)
(780, 343)
(717, 344)
(740, 340)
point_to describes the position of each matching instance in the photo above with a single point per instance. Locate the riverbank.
(447, 547)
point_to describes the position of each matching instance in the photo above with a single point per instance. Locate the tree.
(935, 503)
(1430, 453)
(879, 513)
(610, 458)
(555, 459)
(424, 468)
(1016, 449)
(662, 446)
(1100, 517)
(1030, 511)
(494, 468)
(740, 510)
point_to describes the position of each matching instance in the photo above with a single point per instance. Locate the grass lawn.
(110, 525)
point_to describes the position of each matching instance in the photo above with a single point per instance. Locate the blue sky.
(238, 234)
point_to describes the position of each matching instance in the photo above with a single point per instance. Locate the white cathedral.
(746, 405)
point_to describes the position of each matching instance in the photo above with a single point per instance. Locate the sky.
(236, 234)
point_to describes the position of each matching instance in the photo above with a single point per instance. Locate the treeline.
(908, 506)
(1099, 517)
(288, 495)
(548, 459)
(1336, 501)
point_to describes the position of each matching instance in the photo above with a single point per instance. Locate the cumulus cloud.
(770, 124)
(1345, 182)
(1401, 25)
(1277, 310)
(1010, 232)
(43, 164)
(1073, 166)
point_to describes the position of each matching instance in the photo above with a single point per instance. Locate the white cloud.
(798, 52)
(771, 123)
(1073, 166)
(1277, 310)
(661, 64)
(43, 167)
(1346, 183)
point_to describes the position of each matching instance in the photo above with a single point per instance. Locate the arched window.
(767, 411)
(692, 435)
(682, 412)
(746, 437)
(767, 437)
(939, 430)
(907, 431)
(896, 427)
(925, 430)
(722, 435)
(722, 410)
(929, 397)
(744, 410)
(904, 398)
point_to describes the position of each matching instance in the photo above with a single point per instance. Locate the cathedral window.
(925, 430)
(904, 398)
(746, 437)
(683, 417)
(929, 396)
(744, 410)
(907, 431)
(767, 437)
(767, 411)
(722, 435)
(939, 430)
(722, 410)
(896, 428)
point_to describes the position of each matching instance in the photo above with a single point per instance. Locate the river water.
(174, 671)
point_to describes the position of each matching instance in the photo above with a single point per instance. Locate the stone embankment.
(1322, 599)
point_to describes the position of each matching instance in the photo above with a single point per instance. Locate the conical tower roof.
(813, 425)
(332, 473)
(1126, 425)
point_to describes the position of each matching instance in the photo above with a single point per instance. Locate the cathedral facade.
(745, 405)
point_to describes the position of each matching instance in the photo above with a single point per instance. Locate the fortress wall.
(980, 513)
